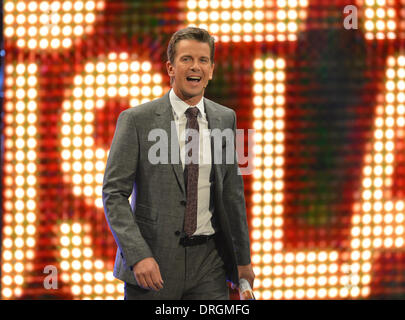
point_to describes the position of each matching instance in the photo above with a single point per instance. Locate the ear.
(212, 71)
(169, 68)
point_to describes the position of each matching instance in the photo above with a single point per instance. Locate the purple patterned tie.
(190, 217)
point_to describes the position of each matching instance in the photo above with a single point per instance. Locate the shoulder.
(144, 111)
(220, 110)
(145, 108)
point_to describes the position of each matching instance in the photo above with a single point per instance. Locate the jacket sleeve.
(234, 203)
(119, 178)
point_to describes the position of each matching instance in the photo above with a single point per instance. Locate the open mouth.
(194, 79)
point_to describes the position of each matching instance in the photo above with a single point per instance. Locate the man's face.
(191, 70)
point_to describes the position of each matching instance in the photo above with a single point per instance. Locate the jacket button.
(177, 233)
(183, 202)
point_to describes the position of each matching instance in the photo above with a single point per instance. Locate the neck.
(190, 100)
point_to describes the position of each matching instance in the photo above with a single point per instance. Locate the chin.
(193, 93)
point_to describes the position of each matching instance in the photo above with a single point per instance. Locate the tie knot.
(191, 112)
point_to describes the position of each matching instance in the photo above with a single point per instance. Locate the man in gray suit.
(185, 232)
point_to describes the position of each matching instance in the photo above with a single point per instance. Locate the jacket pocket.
(145, 214)
(147, 229)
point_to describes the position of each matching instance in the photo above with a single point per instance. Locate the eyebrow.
(189, 56)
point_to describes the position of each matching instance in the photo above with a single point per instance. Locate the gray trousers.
(198, 274)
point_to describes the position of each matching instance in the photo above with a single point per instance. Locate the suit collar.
(211, 112)
(163, 105)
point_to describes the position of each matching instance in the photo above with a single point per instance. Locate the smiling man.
(185, 233)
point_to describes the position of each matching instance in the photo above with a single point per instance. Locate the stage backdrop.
(323, 88)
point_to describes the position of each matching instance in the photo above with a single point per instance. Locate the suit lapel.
(214, 122)
(164, 121)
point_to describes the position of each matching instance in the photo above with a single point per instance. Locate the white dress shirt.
(179, 107)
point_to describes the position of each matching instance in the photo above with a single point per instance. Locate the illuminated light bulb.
(76, 290)
(30, 230)
(19, 267)
(98, 289)
(99, 276)
(76, 265)
(399, 242)
(388, 242)
(76, 240)
(87, 289)
(65, 241)
(146, 66)
(7, 292)
(76, 277)
(7, 255)
(65, 253)
(98, 264)
(30, 242)
(76, 253)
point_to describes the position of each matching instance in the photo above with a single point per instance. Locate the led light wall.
(249, 20)
(326, 199)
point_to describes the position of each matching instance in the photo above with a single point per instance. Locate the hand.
(147, 274)
(245, 272)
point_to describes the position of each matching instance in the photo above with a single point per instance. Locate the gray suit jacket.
(148, 227)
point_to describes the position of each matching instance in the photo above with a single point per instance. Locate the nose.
(195, 66)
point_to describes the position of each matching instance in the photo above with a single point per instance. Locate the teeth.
(194, 78)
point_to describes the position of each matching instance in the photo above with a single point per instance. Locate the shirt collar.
(180, 107)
